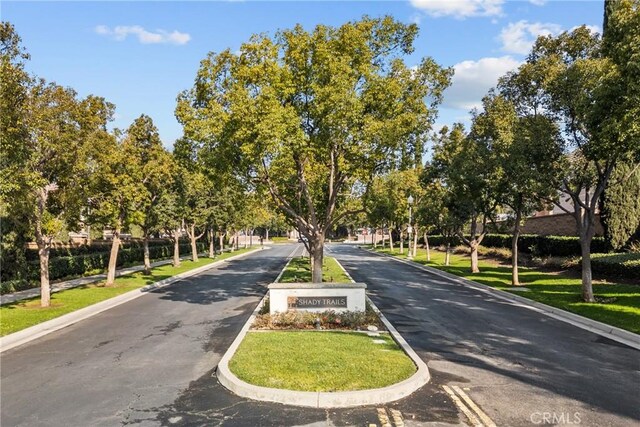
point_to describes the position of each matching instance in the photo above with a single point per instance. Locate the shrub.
(78, 265)
(96, 247)
(562, 246)
(617, 265)
(307, 320)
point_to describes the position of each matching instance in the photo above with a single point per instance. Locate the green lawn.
(620, 306)
(299, 270)
(280, 239)
(22, 314)
(320, 361)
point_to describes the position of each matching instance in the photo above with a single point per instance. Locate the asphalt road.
(152, 361)
(521, 367)
(129, 364)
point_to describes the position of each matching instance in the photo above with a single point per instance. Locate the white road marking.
(472, 418)
(488, 422)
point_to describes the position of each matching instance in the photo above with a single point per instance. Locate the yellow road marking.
(488, 422)
(384, 419)
(397, 417)
(472, 418)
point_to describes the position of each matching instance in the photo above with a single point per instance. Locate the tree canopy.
(312, 116)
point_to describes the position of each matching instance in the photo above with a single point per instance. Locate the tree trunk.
(266, 235)
(474, 257)
(515, 280)
(221, 237)
(193, 238)
(317, 256)
(113, 258)
(415, 243)
(374, 237)
(447, 255)
(44, 244)
(176, 248)
(45, 288)
(88, 235)
(401, 242)
(587, 285)
(426, 246)
(391, 240)
(147, 258)
(246, 234)
(251, 238)
(212, 248)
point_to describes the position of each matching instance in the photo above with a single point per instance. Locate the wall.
(558, 225)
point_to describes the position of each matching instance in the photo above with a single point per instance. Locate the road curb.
(611, 332)
(344, 399)
(36, 331)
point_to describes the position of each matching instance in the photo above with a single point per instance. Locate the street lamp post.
(409, 229)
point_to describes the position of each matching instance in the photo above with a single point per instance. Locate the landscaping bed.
(329, 319)
(320, 361)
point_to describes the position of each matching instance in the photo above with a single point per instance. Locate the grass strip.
(619, 304)
(320, 361)
(23, 314)
(299, 271)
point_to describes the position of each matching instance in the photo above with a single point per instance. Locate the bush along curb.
(343, 399)
(617, 334)
(41, 329)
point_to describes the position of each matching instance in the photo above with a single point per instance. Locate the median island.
(309, 347)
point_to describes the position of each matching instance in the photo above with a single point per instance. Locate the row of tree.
(62, 168)
(563, 125)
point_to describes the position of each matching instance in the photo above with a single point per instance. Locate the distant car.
(302, 239)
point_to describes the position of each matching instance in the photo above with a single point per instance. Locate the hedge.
(617, 265)
(79, 265)
(95, 248)
(563, 246)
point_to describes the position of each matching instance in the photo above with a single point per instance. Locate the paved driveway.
(152, 361)
(521, 367)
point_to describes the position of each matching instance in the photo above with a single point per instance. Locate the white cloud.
(538, 2)
(472, 80)
(459, 8)
(593, 28)
(518, 37)
(121, 32)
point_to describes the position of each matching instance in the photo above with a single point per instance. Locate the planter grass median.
(619, 304)
(349, 359)
(23, 314)
(299, 270)
(320, 361)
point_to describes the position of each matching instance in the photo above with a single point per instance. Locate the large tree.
(590, 88)
(466, 168)
(14, 92)
(48, 176)
(311, 116)
(157, 172)
(527, 153)
(119, 194)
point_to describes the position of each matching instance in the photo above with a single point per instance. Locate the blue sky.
(140, 55)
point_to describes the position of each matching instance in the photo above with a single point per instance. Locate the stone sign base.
(316, 297)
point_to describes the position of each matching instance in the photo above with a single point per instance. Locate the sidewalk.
(80, 281)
